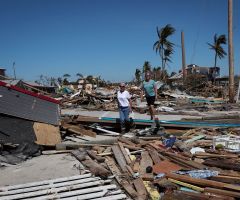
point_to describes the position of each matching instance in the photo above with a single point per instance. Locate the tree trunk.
(215, 60)
(183, 57)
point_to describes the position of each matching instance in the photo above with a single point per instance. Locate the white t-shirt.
(123, 98)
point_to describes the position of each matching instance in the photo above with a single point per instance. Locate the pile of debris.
(206, 89)
(178, 161)
(201, 163)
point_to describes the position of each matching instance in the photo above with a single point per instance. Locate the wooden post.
(230, 53)
(183, 57)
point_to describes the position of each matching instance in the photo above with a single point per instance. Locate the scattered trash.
(169, 142)
(196, 149)
(199, 173)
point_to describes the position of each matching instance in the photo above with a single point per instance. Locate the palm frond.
(211, 46)
(221, 39)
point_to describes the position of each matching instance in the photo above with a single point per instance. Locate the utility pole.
(183, 57)
(14, 72)
(230, 53)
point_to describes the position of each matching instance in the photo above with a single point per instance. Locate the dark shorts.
(150, 100)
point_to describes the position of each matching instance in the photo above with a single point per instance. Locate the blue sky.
(110, 38)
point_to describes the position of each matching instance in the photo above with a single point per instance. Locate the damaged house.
(27, 119)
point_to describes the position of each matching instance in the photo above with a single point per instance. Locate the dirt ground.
(40, 168)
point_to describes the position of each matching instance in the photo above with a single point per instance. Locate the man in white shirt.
(124, 105)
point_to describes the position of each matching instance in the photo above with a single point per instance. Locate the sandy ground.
(40, 168)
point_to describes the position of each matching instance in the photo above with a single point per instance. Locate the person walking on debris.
(125, 106)
(149, 87)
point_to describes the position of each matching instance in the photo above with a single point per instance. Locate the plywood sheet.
(46, 134)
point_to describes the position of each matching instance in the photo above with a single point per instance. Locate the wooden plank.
(193, 187)
(46, 134)
(74, 145)
(189, 163)
(141, 190)
(113, 197)
(222, 192)
(119, 158)
(50, 185)
(223, 164)
(129, 189)
(114, 168)
(203, 182)
(96, 169)
(154, 155)
(51, 152)
(93, 155)
(126, 141)
(211, 155)
(183, 195)
(166, 185)
(136, 166)
(81, 131)
(124, 152)
(130, 171)
(145, 162)
(80, 155)
(165, 167)
(226, 179)
(98, 149)
(45, 182)
(148, 177)
(58, 192)
(132, 147)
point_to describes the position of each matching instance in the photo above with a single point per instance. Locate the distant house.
(207, 71)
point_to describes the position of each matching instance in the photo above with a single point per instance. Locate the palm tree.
(216, 46)
(158, 73)
(90, 79)
(163, 44)
(146, 66)
(66, 76)
(138, 75)
(154, 73)
(167, 56)
(65, 79)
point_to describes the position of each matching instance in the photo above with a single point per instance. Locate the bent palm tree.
(163, 45)
(216, 46)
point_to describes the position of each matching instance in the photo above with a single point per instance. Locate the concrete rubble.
(79, 151)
